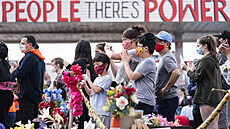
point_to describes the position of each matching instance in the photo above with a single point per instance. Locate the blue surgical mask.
(199, 50)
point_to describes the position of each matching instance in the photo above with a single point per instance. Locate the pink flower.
(75, 102)
(171, 123)
(76, 69)
(72, 80)
(66, 73)
(79, 77)
(77, 111)
(75, 91)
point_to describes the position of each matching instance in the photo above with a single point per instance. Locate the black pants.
(167, 108)
(6, 100)
(84, 117)
(27, 111)
(148, 109)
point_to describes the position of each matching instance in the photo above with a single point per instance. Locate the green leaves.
(113, 107)
(126, 110)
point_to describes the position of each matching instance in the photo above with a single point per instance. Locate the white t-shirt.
(187, 111)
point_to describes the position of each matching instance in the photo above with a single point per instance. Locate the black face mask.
(97, 53)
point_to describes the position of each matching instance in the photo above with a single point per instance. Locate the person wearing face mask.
(100, 48)
(224, 39)
(30, 72)
(129, 43)
(207, 75)
(98, 88)
(57, 65)
(145, 72)
(166, 77)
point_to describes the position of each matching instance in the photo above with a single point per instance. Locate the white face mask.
(22, 47)
(53, 69)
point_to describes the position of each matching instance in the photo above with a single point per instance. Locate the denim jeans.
(10, 120)
(167, 108)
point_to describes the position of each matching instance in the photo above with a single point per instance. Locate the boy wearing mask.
(97, 90)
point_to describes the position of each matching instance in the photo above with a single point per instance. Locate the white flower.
(29, 125)
(121, 102)
(46, 114)
(89, 125)
(134, 98)
(19, 123)
(59, 118)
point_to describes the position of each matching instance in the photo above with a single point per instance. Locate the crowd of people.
(157, 88)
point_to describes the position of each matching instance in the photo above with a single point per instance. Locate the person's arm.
(172, 80)
(95, 88)
(87, 88)
(47, 79)
(25, 67)
(113, 68)
(200, 72)
(171, 67)
(116, 56)
(130, 74)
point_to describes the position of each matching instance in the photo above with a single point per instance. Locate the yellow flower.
(134, 98)
(132, 112)
(105, 108)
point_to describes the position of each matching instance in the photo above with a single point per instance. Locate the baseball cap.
(163, 35)
(223, 34)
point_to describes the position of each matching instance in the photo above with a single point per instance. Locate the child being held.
(97, 90)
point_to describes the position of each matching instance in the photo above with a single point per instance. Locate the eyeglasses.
(124, 39)
(139, 46)
(158, 41)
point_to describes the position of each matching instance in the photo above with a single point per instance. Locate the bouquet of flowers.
(53, 109)
(120, 99)
(158, 120)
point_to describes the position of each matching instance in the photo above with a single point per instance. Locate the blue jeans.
(167, 108)
(10, 120)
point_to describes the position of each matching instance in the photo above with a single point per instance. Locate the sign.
(114, 10)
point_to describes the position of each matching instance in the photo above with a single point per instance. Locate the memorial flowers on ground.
(158, 120)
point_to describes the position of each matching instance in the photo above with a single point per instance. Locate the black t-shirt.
(5, 72)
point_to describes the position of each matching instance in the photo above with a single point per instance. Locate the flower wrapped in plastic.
(53, 109)
(158, 120)
(120, 99)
